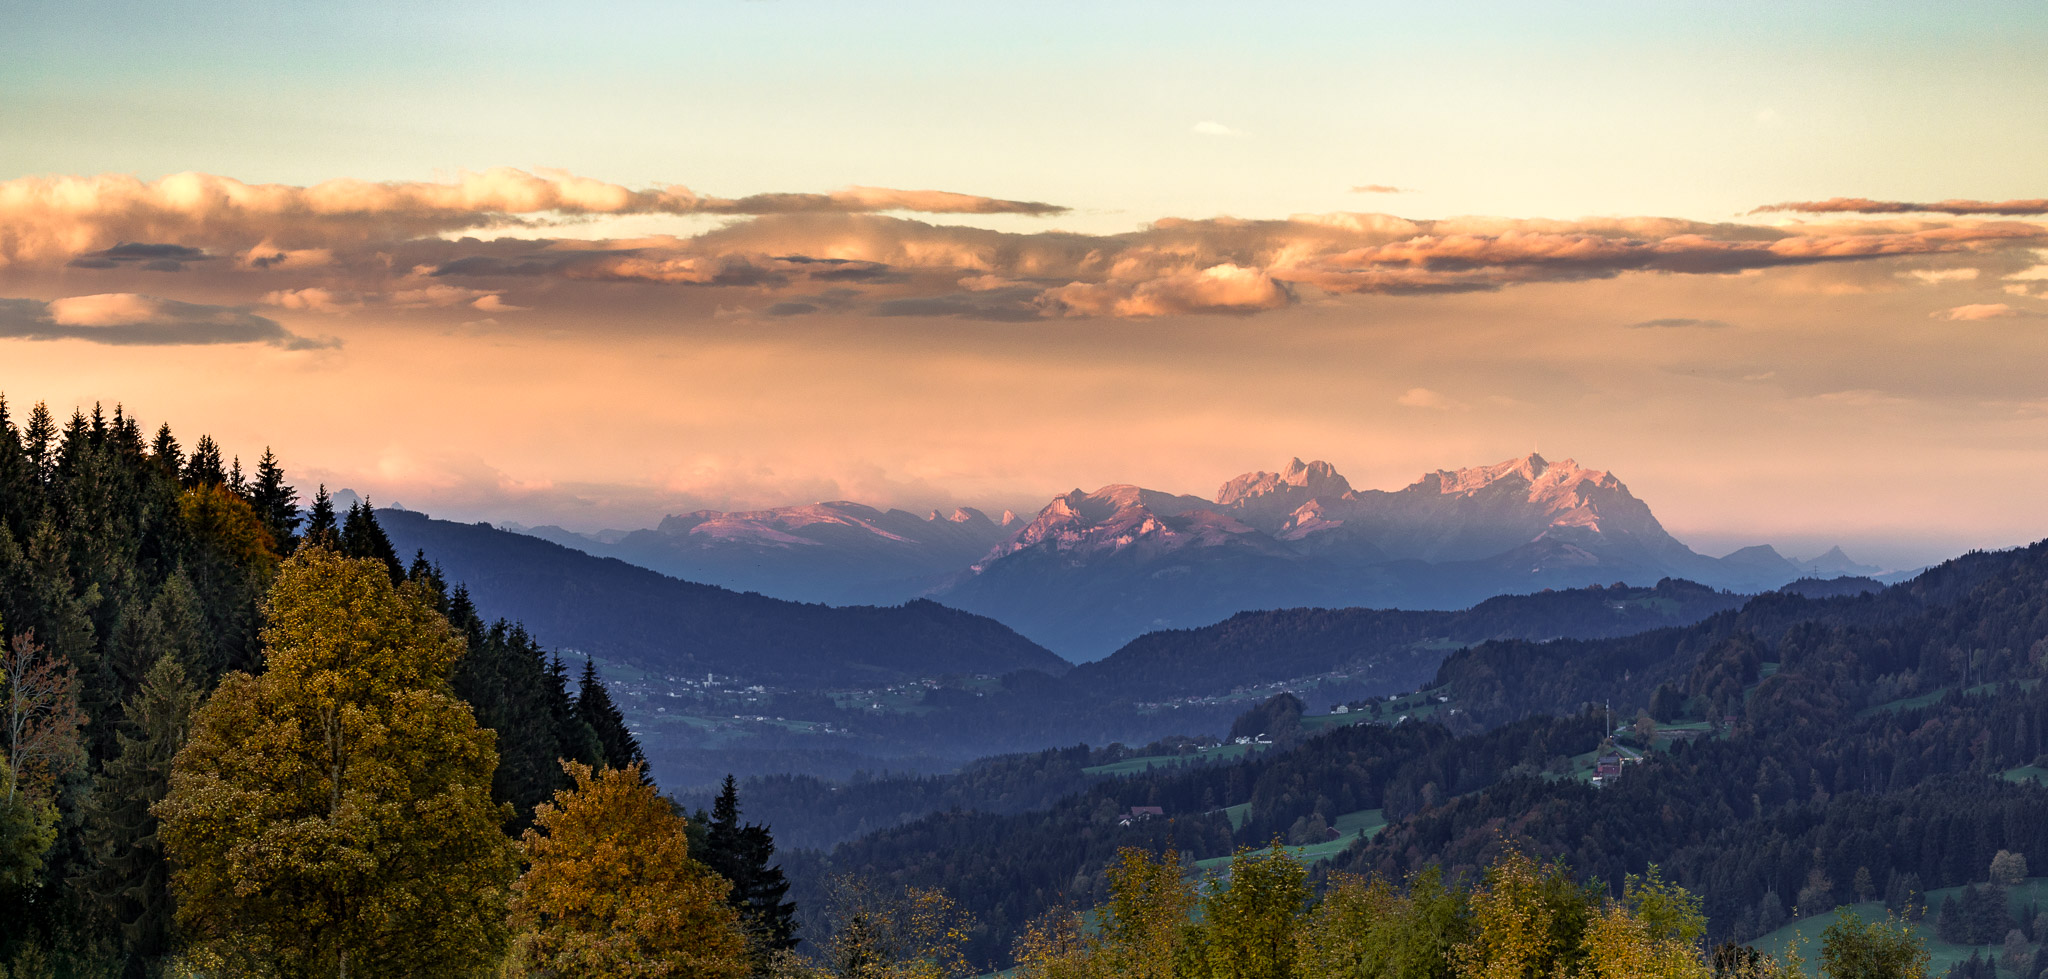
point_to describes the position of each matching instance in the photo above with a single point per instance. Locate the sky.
(1780, 267)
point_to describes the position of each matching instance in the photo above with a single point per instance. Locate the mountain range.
(1091, 571)
(628, 614)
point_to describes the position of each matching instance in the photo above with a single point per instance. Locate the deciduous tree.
(612, 890)
(332, 816)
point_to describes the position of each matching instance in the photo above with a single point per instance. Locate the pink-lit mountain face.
(1545, 508)
(1092, 570)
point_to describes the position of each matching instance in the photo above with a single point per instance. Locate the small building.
(1139, 814)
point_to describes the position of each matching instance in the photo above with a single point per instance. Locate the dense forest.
(245, 739)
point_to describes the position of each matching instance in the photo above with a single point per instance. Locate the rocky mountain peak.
(1308, 480)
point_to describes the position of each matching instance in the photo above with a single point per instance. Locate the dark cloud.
(1000, 306)
(1864, 205)
(143, 255)
(1678, 322)
(127, 319)
(488, 266)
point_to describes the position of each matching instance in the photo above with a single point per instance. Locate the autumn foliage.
(332, 815)
(611, 889)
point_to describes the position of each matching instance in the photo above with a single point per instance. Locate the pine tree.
(21, 498)
(574, 737)
(39, 441)
(321, 527)
(276, 502)
(741, 853)
(205, 467)
(361, 537)
(127, 874)
(165, 451)
(594, 705)
(428, 575)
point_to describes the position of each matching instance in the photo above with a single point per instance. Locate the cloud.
(361, 245)
(1674, 322)
(318, 299)
(128, 319)
(1426, 398)
(1982, 311)
(1378, 189)
(1956, 206)
(1224, 288)
(1939, 276)
(1210, 127)
(49, 217)
(142, 255)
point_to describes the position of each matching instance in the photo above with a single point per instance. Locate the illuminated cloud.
(128, 319)
(1864, 205)
(345, 245)
(1224, 288)
(1210, 127)
(1426, 398)
(1378, 189)
(48, 217)
(1939, 276)
(1983, 311)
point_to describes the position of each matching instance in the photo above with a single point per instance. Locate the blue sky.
(1562, 110)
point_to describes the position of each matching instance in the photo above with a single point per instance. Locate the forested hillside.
(618, 611)
(1798, 754)
(1392, 649)
(233, 730)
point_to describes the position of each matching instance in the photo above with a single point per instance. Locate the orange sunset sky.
(1782, 268)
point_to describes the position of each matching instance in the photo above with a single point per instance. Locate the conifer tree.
(127, 874)
(594, 705)
(741, 853)
(164, 450)
(381, 854)
(321, 527)
(20, 494)
(39, 440)
(276, 502)
(361, 537)
(574, 737)
(205, 468)
(428, 575)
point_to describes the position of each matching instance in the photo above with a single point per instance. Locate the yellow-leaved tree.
(885, 932)
(1144, 931)
(1249, 920)
(332, 816)
(1527, 919)
(1653, 932)
(612, 891)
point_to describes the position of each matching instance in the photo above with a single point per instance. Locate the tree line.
(240, 739)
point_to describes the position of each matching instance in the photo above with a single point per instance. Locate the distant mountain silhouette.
(1091, 571)
(1094, 570)
(840, 553)
(622, 612)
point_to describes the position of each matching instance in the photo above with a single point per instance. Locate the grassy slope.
(1806, 931)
